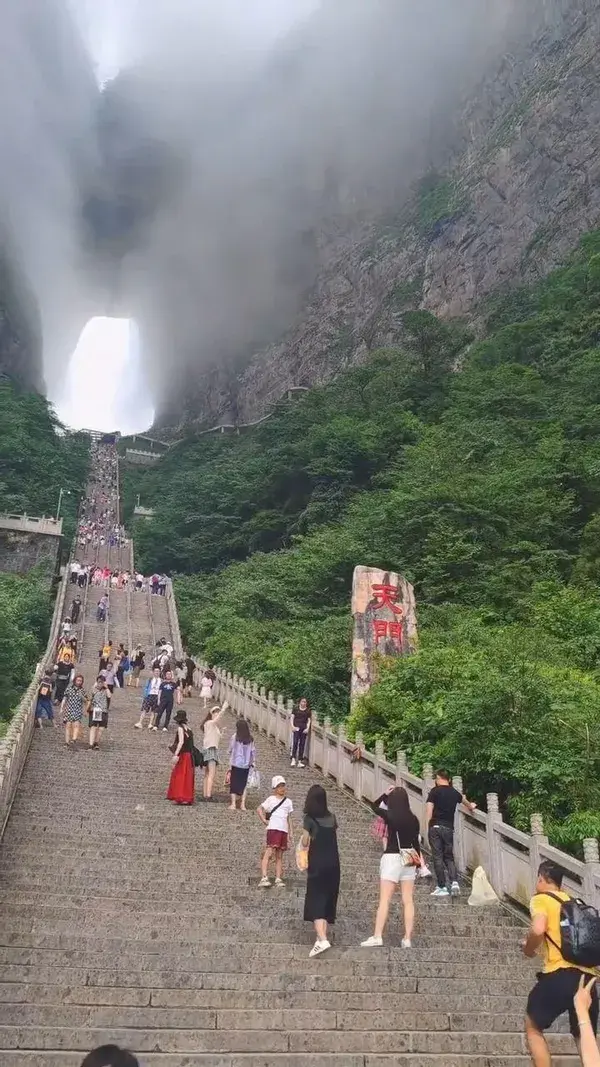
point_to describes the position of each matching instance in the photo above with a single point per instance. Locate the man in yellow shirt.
(558, 980)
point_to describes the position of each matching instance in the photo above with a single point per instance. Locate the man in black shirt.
(169, 687)
(75, 610)
(190, 667)
(442, 803)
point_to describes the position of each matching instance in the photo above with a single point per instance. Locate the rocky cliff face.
(20, 327)
(268, 225)
(47, 102)
(507, 206)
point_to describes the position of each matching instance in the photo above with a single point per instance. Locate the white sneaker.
(165, 730)
(292, 763)
(138, 725)
(440, 891)
(279, 883)
(406, 943)
(372, 942)
(300, 764)
(319, 947)
(150, 727)
(424, 871)
(155, 728)
(265, 883)
(455, 889)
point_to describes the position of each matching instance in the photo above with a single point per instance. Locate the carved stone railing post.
(256, 710)
(591, 878)
(358, 768)
(538, 838)
(401, 767)
(425, 790)
(281, 732)
(459, 829)
(493, 819)
(272, 713)
(341, 753)
(248, 703)
(379, 758)
(265, 710)
(326, 746)
(289, 707)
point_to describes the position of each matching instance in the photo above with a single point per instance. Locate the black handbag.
(197, 757)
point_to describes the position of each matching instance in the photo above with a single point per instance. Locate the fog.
(283, 123)
(48, 100)
(234, 148)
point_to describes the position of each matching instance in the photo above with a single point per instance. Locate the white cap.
(277, 780)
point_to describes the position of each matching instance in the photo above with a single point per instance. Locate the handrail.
(84, 605)
(151, 617)
(14, 746)
(509, 856)
(173, 620)
(42, 524)
(132, 578)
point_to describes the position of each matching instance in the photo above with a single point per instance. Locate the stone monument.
(385, 623)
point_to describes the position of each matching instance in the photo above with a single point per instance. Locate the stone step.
(456, 922)
(199, 1059)
(286, 944)
(426, 980)
(222, 956)
(241, 1017)
(303, 1040)
(329, 999)
(123, 918)
(278, 903)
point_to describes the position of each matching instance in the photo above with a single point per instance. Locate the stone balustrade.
(14, 745)
(32, 524)
(510, 857)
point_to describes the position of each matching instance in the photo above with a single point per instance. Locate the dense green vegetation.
(25, 616)
(482, 487)
(37, 459)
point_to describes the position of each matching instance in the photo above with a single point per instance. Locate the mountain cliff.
(47, 104)
(514, 181)
(268, 218)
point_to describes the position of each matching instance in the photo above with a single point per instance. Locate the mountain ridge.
(525, 188)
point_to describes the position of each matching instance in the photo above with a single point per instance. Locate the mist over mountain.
(252, 148)
(228, 186)
(48, 100)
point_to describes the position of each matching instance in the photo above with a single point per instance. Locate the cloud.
(240, 144)
(279, 125)
(48, 102)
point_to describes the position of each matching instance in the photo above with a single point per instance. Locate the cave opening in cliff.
(104, 386)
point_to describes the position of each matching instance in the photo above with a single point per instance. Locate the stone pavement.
(124, 918)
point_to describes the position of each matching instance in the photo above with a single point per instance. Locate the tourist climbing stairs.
(126, 919)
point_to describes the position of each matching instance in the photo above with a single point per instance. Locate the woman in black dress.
(319, 835)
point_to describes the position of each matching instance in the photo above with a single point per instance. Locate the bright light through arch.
(105, 388)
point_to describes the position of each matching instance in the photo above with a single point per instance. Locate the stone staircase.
(126, 919)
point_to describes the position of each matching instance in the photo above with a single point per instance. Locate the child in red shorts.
(275, 812)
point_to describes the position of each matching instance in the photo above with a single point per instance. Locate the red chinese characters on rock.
(384, 629)
(385, 596)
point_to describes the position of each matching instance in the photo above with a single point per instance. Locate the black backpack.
(579, 932)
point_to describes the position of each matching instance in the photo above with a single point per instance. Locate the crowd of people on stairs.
(566, 983)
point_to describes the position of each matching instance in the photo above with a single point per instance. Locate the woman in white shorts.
(398, 865)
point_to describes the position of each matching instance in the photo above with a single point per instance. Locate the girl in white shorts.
(399, 863)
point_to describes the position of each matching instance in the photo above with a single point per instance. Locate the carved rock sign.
(385, 623)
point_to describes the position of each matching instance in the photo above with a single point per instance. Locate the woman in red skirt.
(181, 785)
